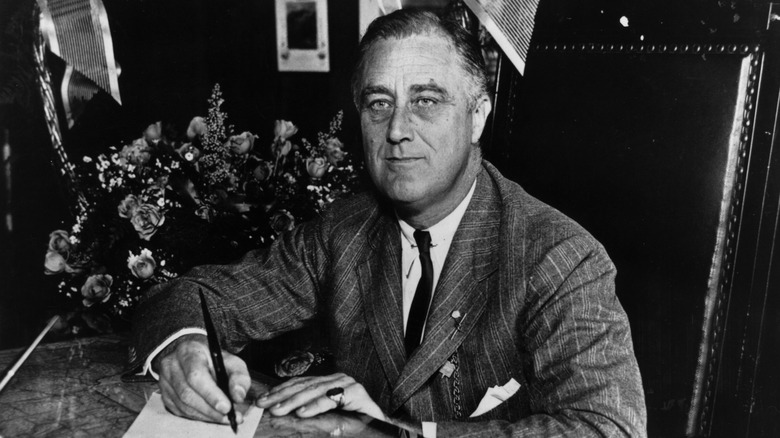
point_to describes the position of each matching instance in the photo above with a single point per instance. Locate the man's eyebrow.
(429, 87)
(374, 89)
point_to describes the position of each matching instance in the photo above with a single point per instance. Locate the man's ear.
(479, 117)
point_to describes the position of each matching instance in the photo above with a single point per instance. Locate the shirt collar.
(445, 229)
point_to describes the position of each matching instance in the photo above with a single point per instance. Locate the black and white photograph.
(390, 218)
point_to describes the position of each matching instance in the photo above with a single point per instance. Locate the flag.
(77, 31)
(510, 22)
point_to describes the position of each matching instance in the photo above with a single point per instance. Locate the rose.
(96, 288)
(282, 220)
(128, 206)
(146, 220)
(283, 130)
(333, 150)
(59, 242)
(137, 153)
(316, 167)
(241, 144)
(197, 127)
(142, 265)
(295, 364)
(153, 132)
(189, 152)
(262, 171)
(54, 263)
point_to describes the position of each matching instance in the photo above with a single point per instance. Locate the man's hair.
(404, 23)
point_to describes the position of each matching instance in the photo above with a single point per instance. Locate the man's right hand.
(187, 381)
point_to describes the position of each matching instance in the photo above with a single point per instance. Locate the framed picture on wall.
(302, 35)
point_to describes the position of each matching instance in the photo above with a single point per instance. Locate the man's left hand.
(306, 396)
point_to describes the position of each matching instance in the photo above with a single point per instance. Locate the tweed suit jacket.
(534, 290)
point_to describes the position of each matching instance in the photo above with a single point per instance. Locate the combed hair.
(404, 23)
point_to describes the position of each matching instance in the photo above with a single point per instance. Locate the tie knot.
(423, 239)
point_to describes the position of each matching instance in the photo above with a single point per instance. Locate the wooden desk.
(74, 388)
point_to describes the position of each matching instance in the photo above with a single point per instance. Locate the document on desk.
(155, 421)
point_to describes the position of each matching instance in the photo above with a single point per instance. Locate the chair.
(666, 153)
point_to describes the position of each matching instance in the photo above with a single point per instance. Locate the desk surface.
(74, 388)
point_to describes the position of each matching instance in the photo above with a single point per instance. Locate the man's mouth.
(402, 159)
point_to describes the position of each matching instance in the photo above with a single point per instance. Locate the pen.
(216, 358)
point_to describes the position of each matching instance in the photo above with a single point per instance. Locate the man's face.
(419, 125)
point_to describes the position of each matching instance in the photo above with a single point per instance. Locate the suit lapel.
(472, 257)
(380, 285)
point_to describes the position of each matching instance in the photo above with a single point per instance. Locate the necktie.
(422, 296)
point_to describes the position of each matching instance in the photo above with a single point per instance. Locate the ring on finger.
(337, 396)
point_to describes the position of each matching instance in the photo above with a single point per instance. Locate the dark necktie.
(422, 296)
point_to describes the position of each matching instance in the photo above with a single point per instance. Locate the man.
(522, 296)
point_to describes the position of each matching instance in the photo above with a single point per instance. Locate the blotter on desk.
(155, 421)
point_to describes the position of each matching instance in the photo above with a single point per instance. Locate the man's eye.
(425, 102)
(379, 105)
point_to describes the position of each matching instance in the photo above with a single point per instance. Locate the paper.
(155, 421)
(495, 396)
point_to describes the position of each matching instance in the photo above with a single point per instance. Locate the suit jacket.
(534, 290)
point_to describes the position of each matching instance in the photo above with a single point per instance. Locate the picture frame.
(302, 35)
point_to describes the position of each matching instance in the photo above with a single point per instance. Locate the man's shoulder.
(531, 217)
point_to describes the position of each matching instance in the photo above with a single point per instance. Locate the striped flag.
(510, 22)
(77, 31)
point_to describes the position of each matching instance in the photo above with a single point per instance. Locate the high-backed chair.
(666, 153)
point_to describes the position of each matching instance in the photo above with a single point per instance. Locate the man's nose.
(400, 127)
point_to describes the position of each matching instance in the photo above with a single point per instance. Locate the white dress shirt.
(441, 239)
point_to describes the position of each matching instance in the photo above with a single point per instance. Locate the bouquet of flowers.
(165, 202)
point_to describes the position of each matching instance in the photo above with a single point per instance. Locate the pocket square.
(495, 396)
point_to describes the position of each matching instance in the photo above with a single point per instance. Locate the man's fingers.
(193, 389)
(291, 387)
(180, 407)
(168, 396)
(239, 381)
(305, 392)
(295, 385)
(317, 406)
(189, 388)
(200, 378)
(298, 382)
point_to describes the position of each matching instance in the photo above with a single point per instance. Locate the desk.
(74, 388)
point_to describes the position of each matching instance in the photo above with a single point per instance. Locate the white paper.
(495, 396)
(155, 421)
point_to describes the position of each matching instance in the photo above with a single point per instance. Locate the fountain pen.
(216, 359)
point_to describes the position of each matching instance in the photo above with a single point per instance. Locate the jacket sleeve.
(265, 293)
(583, 378)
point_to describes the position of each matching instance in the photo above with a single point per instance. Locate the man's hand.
(306, 397)
(188, 385)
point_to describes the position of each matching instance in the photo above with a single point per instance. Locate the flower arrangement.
(165, 202)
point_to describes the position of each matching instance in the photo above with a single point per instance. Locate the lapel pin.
(458, 319)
